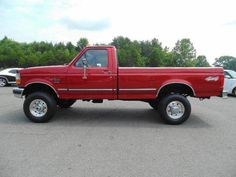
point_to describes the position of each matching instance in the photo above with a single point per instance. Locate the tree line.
(149, 53)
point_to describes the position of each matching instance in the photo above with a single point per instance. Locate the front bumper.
(18, 92)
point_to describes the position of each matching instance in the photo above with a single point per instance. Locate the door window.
(95, 58)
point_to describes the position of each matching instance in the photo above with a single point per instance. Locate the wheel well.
(35, 87)
(178, 88)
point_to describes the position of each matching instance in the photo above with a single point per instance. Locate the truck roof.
(101, 46)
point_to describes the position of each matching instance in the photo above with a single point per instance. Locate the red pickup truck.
(94, 75)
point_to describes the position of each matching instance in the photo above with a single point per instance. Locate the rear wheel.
(175, 109)
(39, 107)
(3, 82)
(65, 103)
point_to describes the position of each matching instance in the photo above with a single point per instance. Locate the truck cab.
(93, 74)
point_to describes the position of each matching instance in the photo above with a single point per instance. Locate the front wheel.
(39, 107)
(175, 109)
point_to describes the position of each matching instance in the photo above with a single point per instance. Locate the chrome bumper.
(224, 94)
(18, 92)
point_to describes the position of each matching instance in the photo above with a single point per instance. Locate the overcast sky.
(211, 25)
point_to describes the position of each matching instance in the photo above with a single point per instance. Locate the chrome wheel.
(38, 108)
(3, 82)
(175, 109)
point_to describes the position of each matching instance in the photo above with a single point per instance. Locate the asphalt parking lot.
(118, 139)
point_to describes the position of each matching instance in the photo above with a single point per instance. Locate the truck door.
(95, 80)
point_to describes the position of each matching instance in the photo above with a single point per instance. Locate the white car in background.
(230, 82)
(8, 76)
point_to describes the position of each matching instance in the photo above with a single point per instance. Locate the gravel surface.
(118, 139)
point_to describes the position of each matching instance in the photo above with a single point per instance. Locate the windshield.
(232, 73)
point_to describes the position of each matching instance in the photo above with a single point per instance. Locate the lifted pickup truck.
(94, 75)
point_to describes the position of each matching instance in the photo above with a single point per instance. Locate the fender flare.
(43, 83)
(173, 82)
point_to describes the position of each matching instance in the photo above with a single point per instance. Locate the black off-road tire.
(65, 103)
(179, 99)
(47, 99)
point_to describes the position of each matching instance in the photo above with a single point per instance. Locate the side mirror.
(227, 77)
(85, 62)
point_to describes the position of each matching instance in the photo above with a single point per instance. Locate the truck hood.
(58, 69)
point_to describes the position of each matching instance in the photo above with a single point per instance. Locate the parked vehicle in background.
(230, 82)
(8, 76)
(94, 75)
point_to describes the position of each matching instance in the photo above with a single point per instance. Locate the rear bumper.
(224, 94)
(18, 92)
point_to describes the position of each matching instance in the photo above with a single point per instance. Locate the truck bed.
(147, 81)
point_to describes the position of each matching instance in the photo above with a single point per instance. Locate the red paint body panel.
(113, 82)
(157, 77)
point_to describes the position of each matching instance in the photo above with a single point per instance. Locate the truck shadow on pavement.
(122, 117)
(104, 117)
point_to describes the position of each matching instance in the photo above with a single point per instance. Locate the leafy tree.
(82, 43)
(10, 52)
(184, 53)
(121, 42)
(70, 46)
(152, 52)
(47, 58)
(129, 53)
(227, 62)
(201, 61)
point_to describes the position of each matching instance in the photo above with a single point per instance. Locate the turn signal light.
(18, 80)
